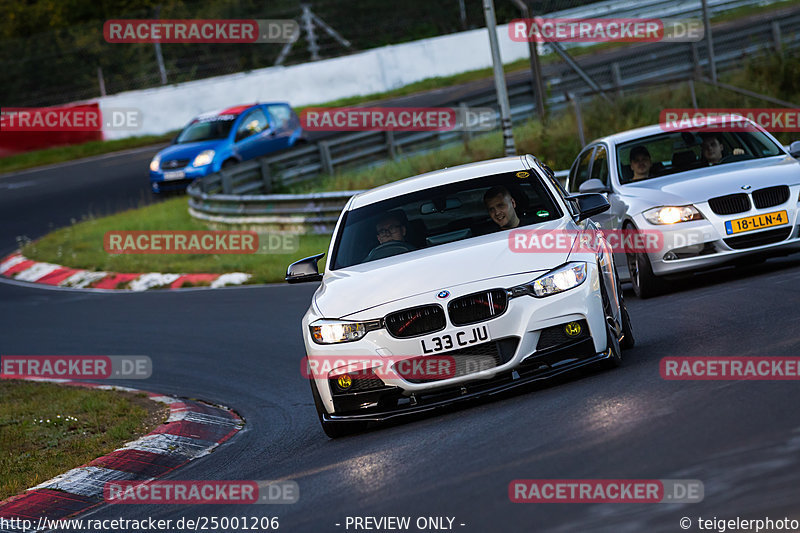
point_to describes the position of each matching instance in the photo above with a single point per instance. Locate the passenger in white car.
(501, 207)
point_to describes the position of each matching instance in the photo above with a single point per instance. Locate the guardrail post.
(691, 92)
(325, 157)
(776, 35)
(578, 117)
(266, 176)
(696, 60)
(617, 77)
(390, 146)
(227, 186)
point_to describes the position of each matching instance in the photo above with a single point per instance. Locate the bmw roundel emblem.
(745, 187)
(443, 294)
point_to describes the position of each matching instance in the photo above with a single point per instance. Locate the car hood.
(188, 150)
(350, 290)
(697, 186)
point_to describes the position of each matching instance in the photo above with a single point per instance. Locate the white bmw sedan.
(715, 196)
(426, 300)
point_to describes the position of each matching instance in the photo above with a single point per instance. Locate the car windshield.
(207, 129)
(440, 215)
(679, 151)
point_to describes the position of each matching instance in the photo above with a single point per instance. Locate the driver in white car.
(391, 227)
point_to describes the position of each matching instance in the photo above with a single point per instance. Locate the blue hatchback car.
(215, 140)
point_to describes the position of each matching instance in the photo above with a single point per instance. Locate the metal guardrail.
(239, 191)
(314, 213)
(279, 213)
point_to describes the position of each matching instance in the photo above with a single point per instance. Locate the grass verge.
(47, 429)
(557, 142)
(81, 246)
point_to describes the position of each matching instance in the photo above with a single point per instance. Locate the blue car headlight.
(561, 279)
(155, 163)
(203, 158)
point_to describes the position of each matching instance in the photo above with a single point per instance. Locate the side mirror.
(794, 149)
(304, 270)
(593, 185)
(590, 204)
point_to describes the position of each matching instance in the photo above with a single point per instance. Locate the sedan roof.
(439, 177)
(655, 129)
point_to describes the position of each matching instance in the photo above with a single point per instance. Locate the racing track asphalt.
(241, 347)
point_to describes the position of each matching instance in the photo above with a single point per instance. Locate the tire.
(612, 341)
(645, 283)
(615, 359)
(332, 429)
(628, 341)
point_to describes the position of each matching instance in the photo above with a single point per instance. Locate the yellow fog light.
(573, 329)
(345, 381)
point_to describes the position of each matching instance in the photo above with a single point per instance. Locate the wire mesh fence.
(59, 56)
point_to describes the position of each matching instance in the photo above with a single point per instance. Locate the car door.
(280, 116)
(254, 136)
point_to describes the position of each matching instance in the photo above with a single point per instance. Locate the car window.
(565, 196)
(440, 215)
(680, 151)
(280, 114)
(600, 165)
(254, 122)
(580, 172)
(207, 128)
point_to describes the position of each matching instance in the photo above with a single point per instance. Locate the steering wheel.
(389, 249)
(737, 155)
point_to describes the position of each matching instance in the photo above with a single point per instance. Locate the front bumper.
(704, 244)
(159, 184)
(524, 321)
(504, 382)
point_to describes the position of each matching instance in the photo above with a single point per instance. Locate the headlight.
(203, 158)
(335, 331)
(672, 214)
(561, 279)
(154, 163)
